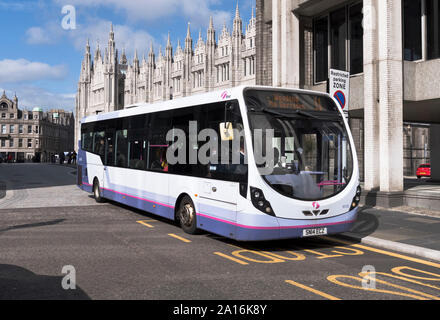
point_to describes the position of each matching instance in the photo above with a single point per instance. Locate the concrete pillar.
(390, 95)
(286, 44)
(371, 109)
(383, 95)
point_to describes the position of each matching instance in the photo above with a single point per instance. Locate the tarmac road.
(121, 253)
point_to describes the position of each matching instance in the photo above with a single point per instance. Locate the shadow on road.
(33, 225)
(17, 283)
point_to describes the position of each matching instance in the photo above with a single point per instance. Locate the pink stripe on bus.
(139, 198)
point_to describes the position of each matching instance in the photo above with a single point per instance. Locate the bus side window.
(121, 147)
(87, 141)
(99, 143)
(160, 124)
(109, 147)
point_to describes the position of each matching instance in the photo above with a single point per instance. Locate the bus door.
(219, 199)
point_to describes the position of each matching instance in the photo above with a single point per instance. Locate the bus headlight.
(260, 202)
(356, 199)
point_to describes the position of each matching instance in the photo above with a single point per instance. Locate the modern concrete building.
(33, 135)
(108, 83)
(391, 49)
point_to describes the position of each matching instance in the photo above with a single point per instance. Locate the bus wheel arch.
(185, 214)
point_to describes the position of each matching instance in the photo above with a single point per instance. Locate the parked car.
(424, 170)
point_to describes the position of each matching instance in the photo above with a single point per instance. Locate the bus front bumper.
(294, 229)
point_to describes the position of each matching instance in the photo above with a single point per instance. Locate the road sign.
(340, 87)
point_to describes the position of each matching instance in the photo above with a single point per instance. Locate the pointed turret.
(136, 61)
(111, 46)
(123, 57)
(112, 34)
(169, 48)
(88, 46)
(238, 24)
(210, 39)
(200, 41)
(188, 41)
(86, 64)
(151, 55)
(98, 55)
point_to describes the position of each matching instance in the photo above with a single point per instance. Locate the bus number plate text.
(314, 232)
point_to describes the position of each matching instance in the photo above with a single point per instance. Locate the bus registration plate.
(315, 232)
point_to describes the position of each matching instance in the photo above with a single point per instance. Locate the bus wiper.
(279, 114)
(304, 113)
(301, 113)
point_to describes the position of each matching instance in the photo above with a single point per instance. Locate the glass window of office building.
(338, 41)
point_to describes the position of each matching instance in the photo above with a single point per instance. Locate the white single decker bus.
(248, 163)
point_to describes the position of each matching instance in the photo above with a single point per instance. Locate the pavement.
(404, 229)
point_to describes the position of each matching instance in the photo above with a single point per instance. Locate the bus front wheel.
(187, 216)
(97, 192)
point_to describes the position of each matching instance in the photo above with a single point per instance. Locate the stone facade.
(391, 97)
(33, 135)
(109, 82)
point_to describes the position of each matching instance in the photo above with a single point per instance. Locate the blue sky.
(41, 61)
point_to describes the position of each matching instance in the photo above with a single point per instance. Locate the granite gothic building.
(109, 82)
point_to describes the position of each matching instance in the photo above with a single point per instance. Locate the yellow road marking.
(179, 238)
(403, 279)
(418, 295)
(231, 258)
(384, 252)
(145, 224)
(317, 292)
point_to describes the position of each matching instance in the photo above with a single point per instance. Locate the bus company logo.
(225, 95)
(316, 205)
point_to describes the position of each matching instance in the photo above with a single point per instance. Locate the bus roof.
(204, 98)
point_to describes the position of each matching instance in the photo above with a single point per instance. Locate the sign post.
(339, 88)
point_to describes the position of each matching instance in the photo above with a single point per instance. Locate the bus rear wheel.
(97, 192)
(187, 216)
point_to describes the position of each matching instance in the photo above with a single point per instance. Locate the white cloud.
(195, 11)
(126, 37)
(22, 70)
(37, 35)
(32, 96)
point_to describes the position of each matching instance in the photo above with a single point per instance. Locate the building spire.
(112, 34)
(169, 41)
(238, 24)
(123, 57)
(237, 12)
(188, 41)
(188, 32)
